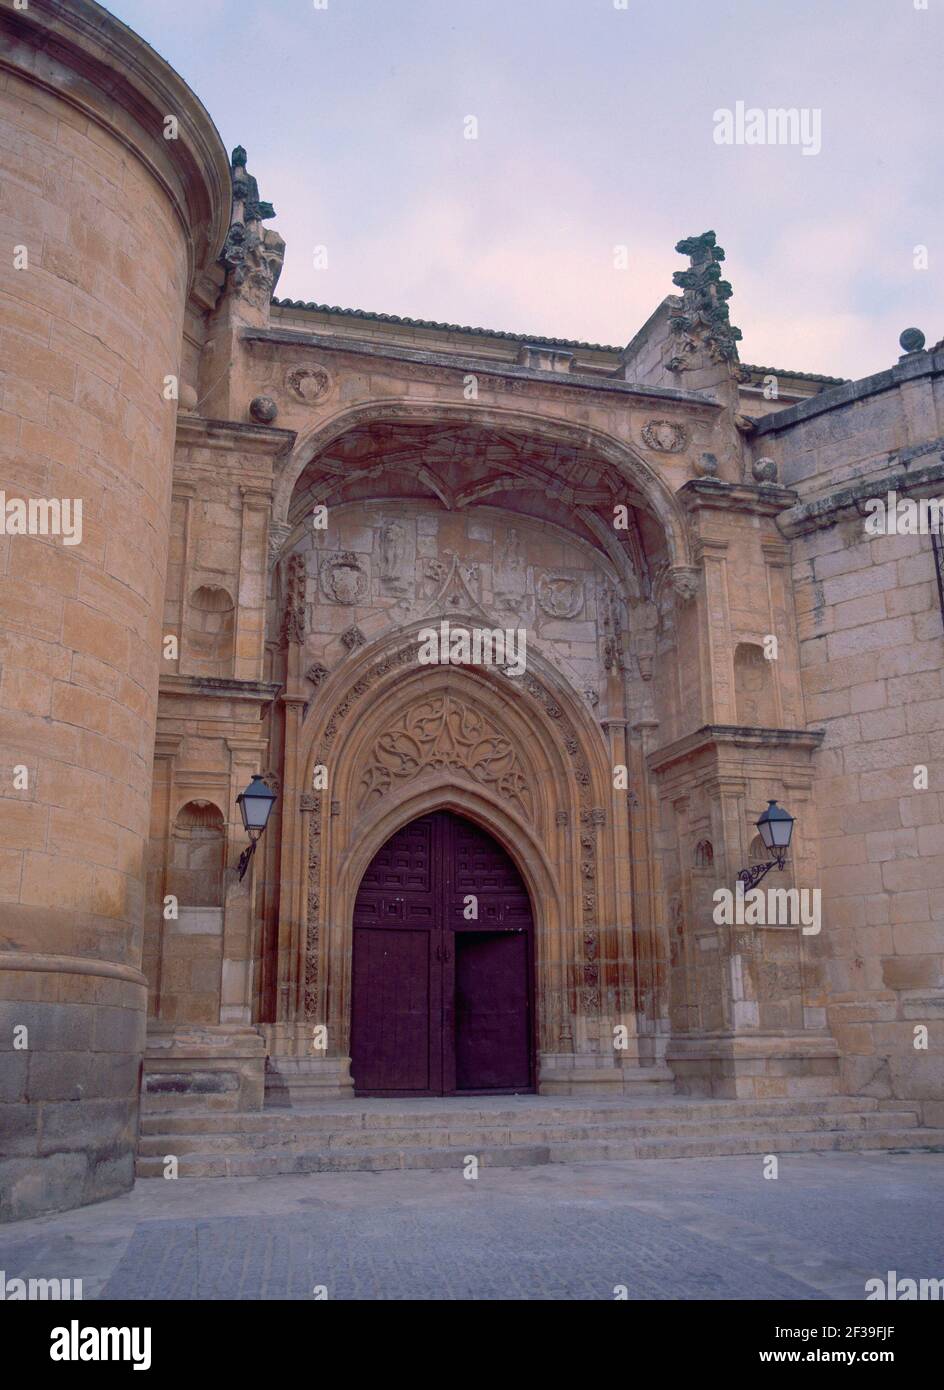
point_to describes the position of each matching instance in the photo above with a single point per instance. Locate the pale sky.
(595, 130)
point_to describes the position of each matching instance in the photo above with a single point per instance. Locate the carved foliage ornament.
(684, 580)
(444, 733)
(703, 326)
(293, 618)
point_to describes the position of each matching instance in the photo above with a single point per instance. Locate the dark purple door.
(442, 967)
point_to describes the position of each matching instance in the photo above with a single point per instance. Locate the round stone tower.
(114, 203)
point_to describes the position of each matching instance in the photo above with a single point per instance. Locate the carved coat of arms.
(560, 595)
(342, 578)
(665, 436)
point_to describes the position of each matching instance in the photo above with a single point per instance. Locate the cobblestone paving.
(704, 1228)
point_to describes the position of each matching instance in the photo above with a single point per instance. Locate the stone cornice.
(764, 499)
(194, 431)
(911, 366)
(219, 687)
(729, 736)
(832, 507)
(117, 80)
(477, 366)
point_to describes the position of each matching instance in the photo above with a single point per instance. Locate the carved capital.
(684, 580)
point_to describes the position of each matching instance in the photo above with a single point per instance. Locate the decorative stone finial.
(703, 322)
(912, 340)
(765, 470)
(252, 255)
(263, 409)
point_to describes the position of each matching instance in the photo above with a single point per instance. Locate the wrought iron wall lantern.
(255, 806)
(776, 831)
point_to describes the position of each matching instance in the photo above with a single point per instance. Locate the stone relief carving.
(352, 637)
(684, 579)
(611, 622)
(343, 578)
(560, 595)
(293, 618)
(308, 384)
(442, 732)
(392, 538)
(317, 673)
(666, 436)
(279, 532)
(511, 573)
(395, 557)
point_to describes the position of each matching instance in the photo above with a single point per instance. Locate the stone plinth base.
(293, 1081)
(218, 1067)
(71, 1038)
(297, 1073)
(573, 1074)
(756, 1066)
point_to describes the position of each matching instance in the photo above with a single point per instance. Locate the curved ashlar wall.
(108, 227)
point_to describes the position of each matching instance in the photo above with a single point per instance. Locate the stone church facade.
(265, 542)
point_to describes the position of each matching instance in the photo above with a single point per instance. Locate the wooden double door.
(442, 1000)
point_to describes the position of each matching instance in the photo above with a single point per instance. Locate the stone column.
(117, 226)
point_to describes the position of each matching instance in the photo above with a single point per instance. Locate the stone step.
(362, 1115)
(422, 1136)
(726, 1145)
(283, 1162)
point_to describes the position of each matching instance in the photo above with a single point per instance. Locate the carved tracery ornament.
(442, 732)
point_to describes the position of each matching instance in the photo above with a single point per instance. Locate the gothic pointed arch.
(529, 764)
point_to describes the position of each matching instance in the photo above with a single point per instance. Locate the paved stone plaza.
(686, 1229)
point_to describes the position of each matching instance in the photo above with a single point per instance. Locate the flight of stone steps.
(512, 1131)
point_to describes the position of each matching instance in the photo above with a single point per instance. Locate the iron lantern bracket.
(751, 877)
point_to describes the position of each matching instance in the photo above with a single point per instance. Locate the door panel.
(441, 985)
(390, 1034)
(493, 1043)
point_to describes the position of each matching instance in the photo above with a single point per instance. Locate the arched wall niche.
(195, 868)
(209, 633)
(754, 688)
(191, 944)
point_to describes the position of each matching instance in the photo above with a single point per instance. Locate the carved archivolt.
(441, 732)
(488, 762)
